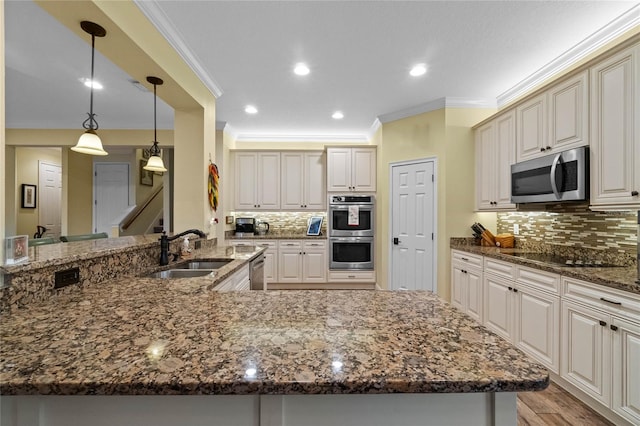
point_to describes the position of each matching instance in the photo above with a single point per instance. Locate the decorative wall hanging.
(29, 193)
(212, 186)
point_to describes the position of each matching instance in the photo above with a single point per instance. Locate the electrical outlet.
(516, 229)
(67, 277)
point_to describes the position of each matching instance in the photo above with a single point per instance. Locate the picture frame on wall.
(146, 176)
(29, 196)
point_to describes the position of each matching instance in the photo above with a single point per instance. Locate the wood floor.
(554, 406)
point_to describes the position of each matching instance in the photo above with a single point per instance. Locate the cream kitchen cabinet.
(466, 283)
(601, 345)
(257, 180)
(568, 114)
(523, 306)
(351, 169)
(531, 124)
(302, 261)
(270, 260)
(239, 281)
(615, 132)
(303, 181)
(495, 153)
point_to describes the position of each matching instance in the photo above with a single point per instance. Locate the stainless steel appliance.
(351, 253)
(261, 227)
(256, 273)
(351, 229)
(245, 226)
(553, 178)
(362, 209)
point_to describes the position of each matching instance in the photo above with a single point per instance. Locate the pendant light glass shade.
(89, 142)
(155, 164)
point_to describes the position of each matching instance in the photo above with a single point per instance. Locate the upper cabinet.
(555, 120)
(615, 132)
(351, 169)
(257, 178)
(303, 181)
(532, 128)
(495, 153)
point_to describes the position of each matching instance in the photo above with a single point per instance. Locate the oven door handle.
(554, 165)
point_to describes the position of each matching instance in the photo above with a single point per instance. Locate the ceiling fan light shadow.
(89, 143)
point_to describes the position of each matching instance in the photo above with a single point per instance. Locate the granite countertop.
(279, 236)
(146, 336)
(618, 277)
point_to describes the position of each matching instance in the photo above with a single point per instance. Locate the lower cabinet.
(270, 260)
(466, 284)
(522, 305)
(601, 346)
(239, 281)
(302, 261)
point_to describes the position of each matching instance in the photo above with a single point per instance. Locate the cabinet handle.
(541, 149)
(602, 323)
(614, 327)
(548, 148)
(510, 288)
(465, 259)
(634, 193)
(351, 276)
(610, 301)
(515, 290)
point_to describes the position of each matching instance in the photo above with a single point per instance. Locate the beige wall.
(446, 135)
(77, 170)
(27, 172)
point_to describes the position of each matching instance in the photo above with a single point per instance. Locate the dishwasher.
(256, 271)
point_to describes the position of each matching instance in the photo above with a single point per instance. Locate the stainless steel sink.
(182, 273)
(204, 264)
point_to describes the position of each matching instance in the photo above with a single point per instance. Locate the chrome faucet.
(164, 243)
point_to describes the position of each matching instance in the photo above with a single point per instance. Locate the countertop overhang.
(145, 336)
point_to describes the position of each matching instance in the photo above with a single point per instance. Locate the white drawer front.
(623, 304)
(500, 268)
(540, 280)
(315, 244)
(290, 244)
(352, 276)
(267, 243)
(467, 258)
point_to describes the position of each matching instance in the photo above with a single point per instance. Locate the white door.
(111, 194)
(413, 226)
(49, 205)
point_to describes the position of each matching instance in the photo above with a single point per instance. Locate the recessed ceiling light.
(338, 115)
(301, 69)
(250, 109)
(418, 69)
(87, 82)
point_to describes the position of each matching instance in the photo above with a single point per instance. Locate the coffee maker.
(245, 226)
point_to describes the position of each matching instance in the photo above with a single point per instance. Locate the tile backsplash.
(575, 226)
(286, 222)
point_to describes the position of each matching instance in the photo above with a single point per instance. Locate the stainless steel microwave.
(563, 176)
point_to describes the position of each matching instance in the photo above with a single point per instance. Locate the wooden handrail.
(131, 217)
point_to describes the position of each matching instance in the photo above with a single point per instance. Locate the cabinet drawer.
(267, 243)
(352, 276)
(315, 244)
(241, 243)
(500, 268)
(290, 244)
(623, 304)
(540, 280)
(467, 258)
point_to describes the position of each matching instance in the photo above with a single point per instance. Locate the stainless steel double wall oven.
(351, 231)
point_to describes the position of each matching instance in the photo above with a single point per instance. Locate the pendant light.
(89, 142)
(155, 164)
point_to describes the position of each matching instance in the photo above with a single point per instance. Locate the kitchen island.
(153, 351)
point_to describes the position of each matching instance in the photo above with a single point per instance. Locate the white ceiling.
(359, 53)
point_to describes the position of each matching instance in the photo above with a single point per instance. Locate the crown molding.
(587, 46)
(303, 137)
(437, 104)
(161, 21)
